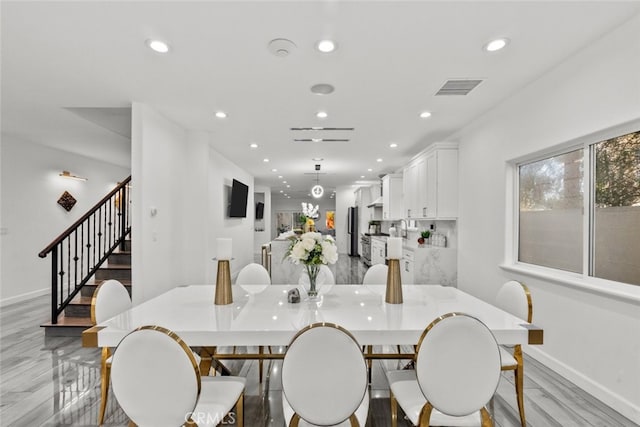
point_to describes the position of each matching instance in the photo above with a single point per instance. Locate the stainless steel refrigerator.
(352, 231)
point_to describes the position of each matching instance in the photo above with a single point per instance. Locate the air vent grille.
(320, 128)
(458, 87)
(321, 140)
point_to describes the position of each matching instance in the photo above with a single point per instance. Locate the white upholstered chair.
(457, 373)
(376, 275)
(515, 298)
(157, 382)
(254, 274)
(109, 299)
(324, 379)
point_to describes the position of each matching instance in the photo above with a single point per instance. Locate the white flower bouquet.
(312, 250)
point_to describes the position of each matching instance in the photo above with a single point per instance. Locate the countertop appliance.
(352, 231)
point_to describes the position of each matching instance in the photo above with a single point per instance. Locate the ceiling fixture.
(281, 47)
(393, 145)
(317, 128)
(321, 114)
(495, 45)
(254, 145)
(369, 170)
(158, 46)
(317, 159)
(317, 191)
(321, 140)
(425, 115)
(221, 114)
(322, 89)
(361, 176)
(326, 46)
(274, 170)
(69, 175)
(378, 160)
(458, 87)
(279, 176)
(265, 160)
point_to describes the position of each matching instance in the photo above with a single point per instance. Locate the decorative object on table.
(312, 250)
(223, 279)
(310, 214)
(424, 235)
(67, 201)
(393, 293)
(293, 296)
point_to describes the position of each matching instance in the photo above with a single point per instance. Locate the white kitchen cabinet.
(378, 251)
(409, 190)
(406, 267)
(441, 183)
(392, 197)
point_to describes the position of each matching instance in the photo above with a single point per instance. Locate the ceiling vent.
(458, 87)
(321, 140)
(318, 128)
(281, 47)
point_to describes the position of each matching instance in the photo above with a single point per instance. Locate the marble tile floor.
(55, 382)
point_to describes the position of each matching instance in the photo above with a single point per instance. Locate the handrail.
(90, 212)
(78, 253)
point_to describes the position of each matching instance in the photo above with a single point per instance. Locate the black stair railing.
(78, 252)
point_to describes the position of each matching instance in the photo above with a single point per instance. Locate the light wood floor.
(55, 382)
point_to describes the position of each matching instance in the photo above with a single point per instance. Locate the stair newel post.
(123, 216)
(54, 285)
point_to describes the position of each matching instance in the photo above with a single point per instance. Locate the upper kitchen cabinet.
(431, 183)
(392, 197)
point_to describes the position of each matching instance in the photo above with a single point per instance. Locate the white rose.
(329, 253)
(308, 243)
(298, 253)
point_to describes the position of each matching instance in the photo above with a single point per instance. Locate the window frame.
(582, 280)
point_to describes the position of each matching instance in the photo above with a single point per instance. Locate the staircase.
(94, 249)
(77, 314)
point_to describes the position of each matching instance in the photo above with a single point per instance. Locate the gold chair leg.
(425, 415)
(394, 409)
(105, 375)
(240, 411)
(519, 381)
(369, 361)
(486, 418)
(206, 359)
(261, 352)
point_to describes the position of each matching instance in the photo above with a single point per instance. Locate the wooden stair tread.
(81, 300)
(116, 267)
(64, 321)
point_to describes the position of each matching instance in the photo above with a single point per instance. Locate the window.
(595, 233)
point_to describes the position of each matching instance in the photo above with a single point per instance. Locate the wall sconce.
(67, 174)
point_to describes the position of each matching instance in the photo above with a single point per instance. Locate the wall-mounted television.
(259, 210)
(238, 205)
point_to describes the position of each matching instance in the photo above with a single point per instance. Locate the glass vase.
(312, 272)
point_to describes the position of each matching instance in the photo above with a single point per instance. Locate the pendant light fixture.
(317, 191)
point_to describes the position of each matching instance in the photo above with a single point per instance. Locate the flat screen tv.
(259, 210)
(238, 205)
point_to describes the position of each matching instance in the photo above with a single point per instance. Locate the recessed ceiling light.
(393, 145)
(369, 170)
(274, 170)
(496, 44)
(158, 46)
(317, 159)
(316, 139)
(322, 89)
(279, 176)
(282, 191)
(361, 176)
(253, 145)
(378, 160)
(321, 114)
(326, 46)
(265, 160)
(221, 114)
(284, 182)
(425, 115)
(288, 186)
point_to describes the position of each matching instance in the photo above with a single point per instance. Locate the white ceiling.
(64, 64)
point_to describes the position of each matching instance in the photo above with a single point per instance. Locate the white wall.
(177, 173)
(31, 217)
(240, 230)
(264, 236)
(591, 338)
(345, 198)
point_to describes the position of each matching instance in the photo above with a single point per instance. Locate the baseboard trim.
(24, 297)
(608, 397)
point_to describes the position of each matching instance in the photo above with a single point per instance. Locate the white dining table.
(262, 316)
